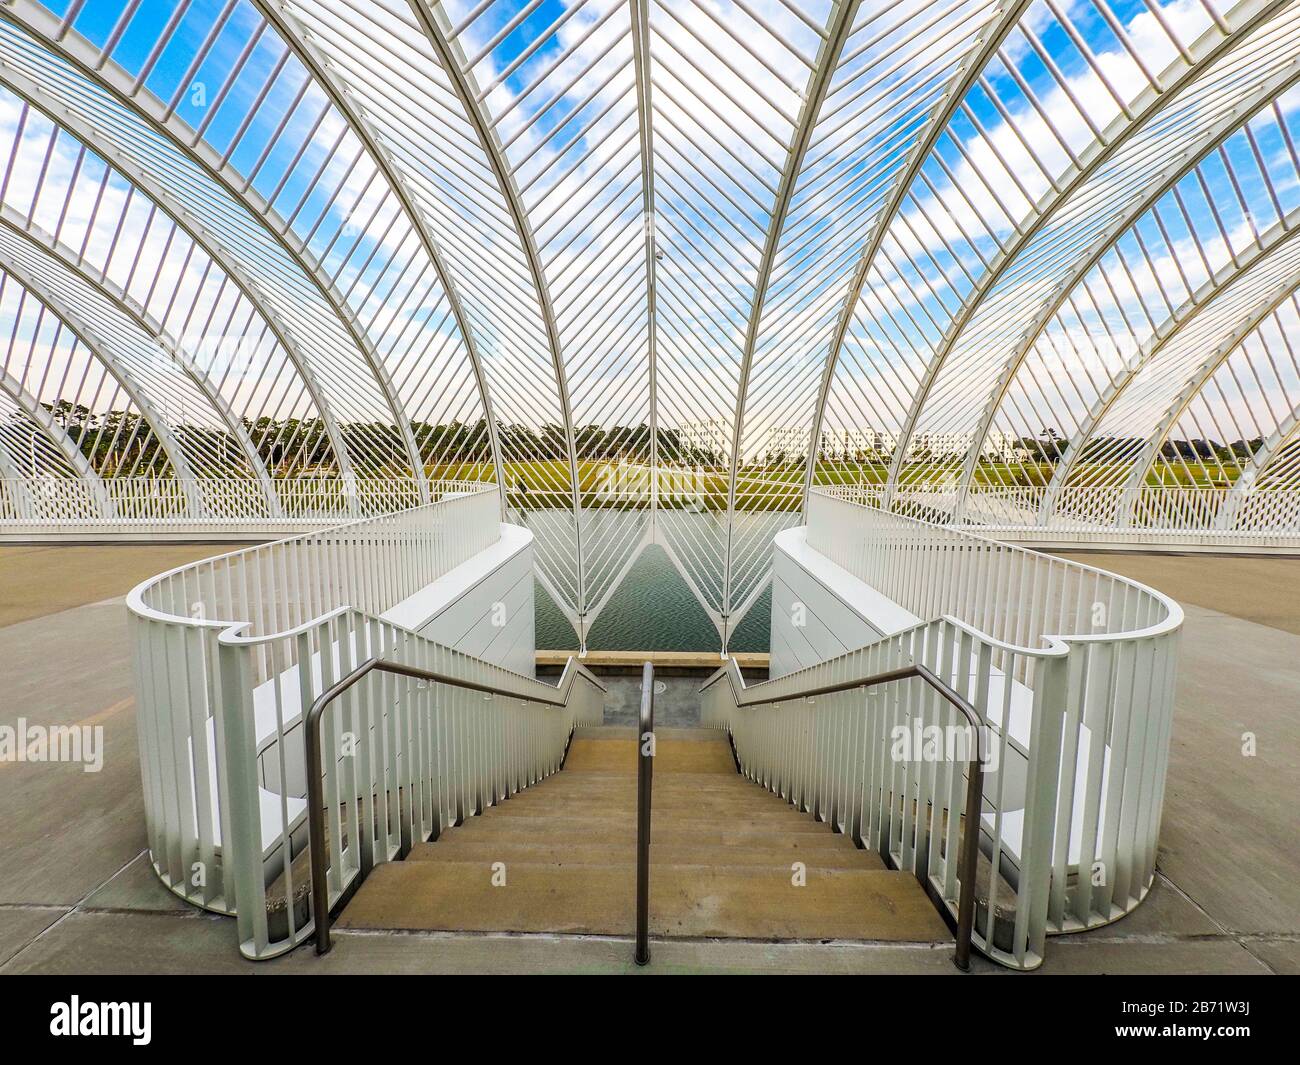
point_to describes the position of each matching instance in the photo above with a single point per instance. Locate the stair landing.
(723, 859)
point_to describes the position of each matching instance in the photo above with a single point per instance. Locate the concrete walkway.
(722, 852)
(38, 580)
(77, 894)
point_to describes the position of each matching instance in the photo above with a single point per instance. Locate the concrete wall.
(459, 610)
(820, 610)
(487, 611)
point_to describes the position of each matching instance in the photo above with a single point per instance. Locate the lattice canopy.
(656, 266)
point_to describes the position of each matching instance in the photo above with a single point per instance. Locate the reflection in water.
(652, 610)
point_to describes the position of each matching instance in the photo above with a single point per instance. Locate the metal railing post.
(968, 851)
(316, 768)
(967, 863)
(644, 783)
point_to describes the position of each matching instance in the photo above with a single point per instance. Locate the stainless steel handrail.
(645, 742)
(968, 853)
(315, 787)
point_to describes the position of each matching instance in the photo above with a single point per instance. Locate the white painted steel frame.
(1057, 657)
(232, 650)
(542, 127)
(157, 195)
(102, 71)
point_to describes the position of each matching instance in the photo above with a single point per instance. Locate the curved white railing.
(231, 651)
(1205, 515)
(1072, 671)
(122, 505)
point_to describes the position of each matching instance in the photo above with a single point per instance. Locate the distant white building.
(835, 443)
(938, 445)
(853, 442)
(1004, 447)
(788, 440)
(712, 436)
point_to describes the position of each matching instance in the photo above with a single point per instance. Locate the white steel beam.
(1205, 369)
(292, 34)
(45, 245)
(839, 25)
(1273, 445)
(1179, 167)
(995, 33)
(58, 436)
(30, 91)
(103, 72)
(639, 11)
(103, 352)
(1202, 300)
(437, 28)
(1181, 74)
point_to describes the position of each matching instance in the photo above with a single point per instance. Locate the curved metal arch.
(291, 33)
(1227, 278)
(95, 345)
(58, 436)
(8, 470)
(1274, 444)
(944, 109)
(105, 73)
(639, 14)
(44, 244)
(1221, 352)
(1179, 168)
(85, 133)
(1149, 104)
(438, 31)
(839, 26)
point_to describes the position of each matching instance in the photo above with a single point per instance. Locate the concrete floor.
(77, 894)
(36, 580)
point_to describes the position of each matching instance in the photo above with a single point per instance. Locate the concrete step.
(611, 830)
(624, 783)
(608, 810)
(663, 798)
(666, 789)
(671, 756)
(722, 859)
(819, 853)
(690, 901)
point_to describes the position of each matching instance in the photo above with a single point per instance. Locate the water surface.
(652, 610)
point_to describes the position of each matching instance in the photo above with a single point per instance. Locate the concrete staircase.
(560, 857)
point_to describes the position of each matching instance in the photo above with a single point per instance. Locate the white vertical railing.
(138, 504)
(1176, 513)
(230, 653)
(370, 564)
(1072, 671)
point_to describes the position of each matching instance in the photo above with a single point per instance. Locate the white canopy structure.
(657, 267)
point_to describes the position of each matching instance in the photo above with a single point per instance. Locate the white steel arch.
(439, 31)
(131, 98)
(1165, 335)
(1164, 90)
(296, 39)
(176, 453)
(1216, 131)
(1237, 111)
(660, 267)
(835, 36)
(1202, 303)
(212, 245)
(57, 435)
(1276, 289)
(1049, 268)
(1009, 14)
(1274, 446)
(115, 299)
